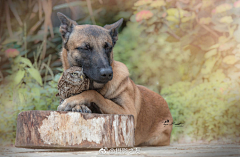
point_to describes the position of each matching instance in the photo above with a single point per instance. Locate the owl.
(73, 82)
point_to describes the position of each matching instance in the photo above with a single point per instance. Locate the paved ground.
(190, 150)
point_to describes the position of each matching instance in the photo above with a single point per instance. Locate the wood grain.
(54, 129)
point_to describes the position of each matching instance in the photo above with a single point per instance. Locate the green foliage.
(188, 51)
(209, 110)
(26, 26)
(22, 91)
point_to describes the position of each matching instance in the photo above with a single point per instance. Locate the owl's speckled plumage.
(73, 82)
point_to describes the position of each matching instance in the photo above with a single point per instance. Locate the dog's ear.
(67, 26)
(113, 29)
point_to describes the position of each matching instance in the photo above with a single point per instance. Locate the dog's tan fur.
(122, 96)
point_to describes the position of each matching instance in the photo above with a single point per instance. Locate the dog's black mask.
(90, 47)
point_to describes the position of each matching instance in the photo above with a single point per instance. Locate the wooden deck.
(189, 150)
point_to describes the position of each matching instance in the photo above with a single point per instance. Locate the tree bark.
(54, 129)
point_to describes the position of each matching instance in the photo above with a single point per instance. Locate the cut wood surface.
(54, 129)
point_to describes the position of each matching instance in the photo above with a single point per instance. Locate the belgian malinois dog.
(111, 89)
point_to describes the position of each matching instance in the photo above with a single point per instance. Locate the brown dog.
(90, 47)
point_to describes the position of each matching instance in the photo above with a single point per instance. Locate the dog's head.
(90, 47)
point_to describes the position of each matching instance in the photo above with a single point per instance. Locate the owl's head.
(74, 75)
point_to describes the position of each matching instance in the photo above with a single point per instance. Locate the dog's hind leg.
(160, 137)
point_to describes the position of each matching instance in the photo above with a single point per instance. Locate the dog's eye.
(86, 47)
(107, 46)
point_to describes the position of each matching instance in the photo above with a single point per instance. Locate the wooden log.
(54, 129)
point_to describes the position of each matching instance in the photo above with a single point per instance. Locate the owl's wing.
(61, 81)
(61, 87)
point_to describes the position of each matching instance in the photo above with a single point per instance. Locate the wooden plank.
(55, 129)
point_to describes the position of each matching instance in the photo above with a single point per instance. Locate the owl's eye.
(74, 74)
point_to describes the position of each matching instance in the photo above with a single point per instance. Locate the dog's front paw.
(81, 108)
(67, 105)
(73, 105)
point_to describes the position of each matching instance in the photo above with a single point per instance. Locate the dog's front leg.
(106, 105)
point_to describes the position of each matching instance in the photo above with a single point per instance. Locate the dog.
(111, 89)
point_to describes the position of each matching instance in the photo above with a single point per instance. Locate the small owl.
(73, 82)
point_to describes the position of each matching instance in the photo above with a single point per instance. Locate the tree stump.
(55, 129)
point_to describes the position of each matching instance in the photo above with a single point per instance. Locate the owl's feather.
(73, 82)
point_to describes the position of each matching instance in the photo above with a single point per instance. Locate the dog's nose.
(106, 73)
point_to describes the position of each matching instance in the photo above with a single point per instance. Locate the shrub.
(188, 51)
(22, 91)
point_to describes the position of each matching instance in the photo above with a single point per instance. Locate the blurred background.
(186, 50)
